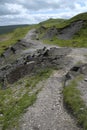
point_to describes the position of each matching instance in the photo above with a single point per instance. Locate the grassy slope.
(10, 28)
(79, 40)
(14, 36)
(17, 34)
(48, 24)
(52, 22)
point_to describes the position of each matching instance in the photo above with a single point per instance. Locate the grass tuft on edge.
(74, 103)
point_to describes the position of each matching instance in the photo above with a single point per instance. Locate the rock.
(35, 128)
(81, 109)
(2, 55)
(42, 58)
(85, 79)
(75, 71)
(84, 69)
(13, 50)
(1, 115)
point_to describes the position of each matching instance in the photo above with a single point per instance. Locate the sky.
(14, 12)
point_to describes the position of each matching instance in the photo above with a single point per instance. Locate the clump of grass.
(74, 102)
(15, 99)
(41, 75)
(13, 113)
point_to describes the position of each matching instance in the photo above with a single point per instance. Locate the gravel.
(48, 112)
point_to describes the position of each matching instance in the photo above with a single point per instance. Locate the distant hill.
(51, 22)
(10, 28)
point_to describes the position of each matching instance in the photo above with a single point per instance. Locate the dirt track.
(48, 112)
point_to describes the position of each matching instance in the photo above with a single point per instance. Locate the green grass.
(75, 42)
(74, 102)
(17, 97)
(52, 22)
(14, 36)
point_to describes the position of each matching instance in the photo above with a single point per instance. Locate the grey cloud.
(5, 11)
(39, 5)
(8, 1)
(36, 5)
(33, 11)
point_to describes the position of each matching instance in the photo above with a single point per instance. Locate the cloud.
(34, 11)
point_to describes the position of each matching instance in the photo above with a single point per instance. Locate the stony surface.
(42, 58)
(48, 112)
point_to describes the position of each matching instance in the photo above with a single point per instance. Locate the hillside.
(42, 85)
(72, 32)
(61, 32)
(10, 28)
(52, 22)
(11, 38)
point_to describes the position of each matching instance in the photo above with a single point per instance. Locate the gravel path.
(48, 112)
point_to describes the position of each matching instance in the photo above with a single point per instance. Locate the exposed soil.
(69, 31)
(64, 33)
